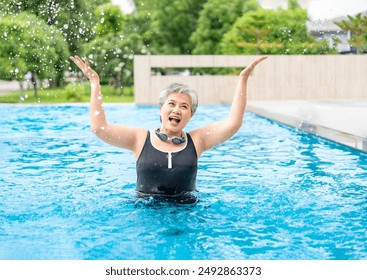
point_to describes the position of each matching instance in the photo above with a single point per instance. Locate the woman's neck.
(171, 133)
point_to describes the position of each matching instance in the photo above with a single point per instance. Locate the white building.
(328, 30)
(322, 14)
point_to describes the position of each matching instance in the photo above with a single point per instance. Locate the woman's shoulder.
(141, 136)
(142, 133)
(196, 140)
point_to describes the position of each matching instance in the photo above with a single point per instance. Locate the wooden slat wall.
(280, 77)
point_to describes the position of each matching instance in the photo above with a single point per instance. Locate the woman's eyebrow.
(181, 103)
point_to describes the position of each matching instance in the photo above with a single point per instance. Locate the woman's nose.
(176, 110)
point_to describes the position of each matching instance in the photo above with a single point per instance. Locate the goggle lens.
(164, 137)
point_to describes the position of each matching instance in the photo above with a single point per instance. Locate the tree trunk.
(34, 83)
(21, 95)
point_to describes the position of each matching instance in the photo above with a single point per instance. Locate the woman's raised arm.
(97, 115)
(218, 132)
(118, 135)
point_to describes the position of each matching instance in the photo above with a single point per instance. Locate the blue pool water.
(271, 192)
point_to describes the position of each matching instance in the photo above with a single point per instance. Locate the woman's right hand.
(86, 69)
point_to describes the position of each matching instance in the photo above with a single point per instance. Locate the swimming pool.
(271, 192)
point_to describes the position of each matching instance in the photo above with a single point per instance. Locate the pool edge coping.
(338, 136)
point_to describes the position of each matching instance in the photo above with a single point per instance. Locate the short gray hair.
(179, 88)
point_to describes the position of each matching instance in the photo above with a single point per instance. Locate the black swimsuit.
(168, 175)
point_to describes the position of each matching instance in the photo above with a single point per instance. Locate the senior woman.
(166, 158)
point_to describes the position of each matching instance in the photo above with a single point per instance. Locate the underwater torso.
(170, 175)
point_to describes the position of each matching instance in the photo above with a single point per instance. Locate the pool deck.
(340, 120)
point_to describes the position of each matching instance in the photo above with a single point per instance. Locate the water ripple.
(270, 192)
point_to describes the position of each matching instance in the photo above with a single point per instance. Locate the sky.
(124, 4)
(329, 9)
(317, 9)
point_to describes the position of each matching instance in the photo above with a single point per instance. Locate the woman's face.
(175, 113)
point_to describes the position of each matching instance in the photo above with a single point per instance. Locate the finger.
(77, 60)
(248, 69)
(256, 62)
(73, 59)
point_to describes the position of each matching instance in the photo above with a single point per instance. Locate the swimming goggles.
(164, 137)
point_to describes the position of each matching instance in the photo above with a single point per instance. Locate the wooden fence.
(280, 77)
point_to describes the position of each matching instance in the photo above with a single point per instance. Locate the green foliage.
(140, 23)
(95, 3)
(357, 25)
(110, 20)
(29, 44)
(110, 55)
(75, 92)
(272, 32)
(73, 18)
(293, 5)
(175, 21)
(166, 25)
(215, 19)
(59, 95)
(112, 50)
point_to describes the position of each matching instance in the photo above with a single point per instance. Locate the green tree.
(140, 23)
(293, 5)
(215, 19)
(75, 19)
(357, 26)
(112, 50)
(272, 32)
(30, 45)
(170, 22)
(110, 20)
(175, 22)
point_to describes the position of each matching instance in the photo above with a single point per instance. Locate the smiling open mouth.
(174, 119)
